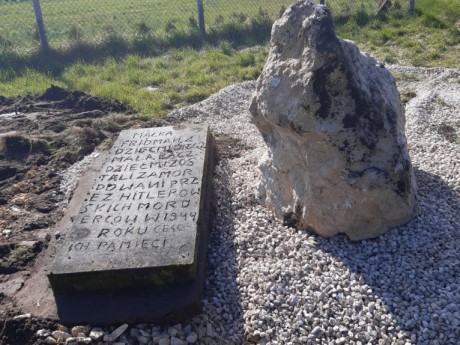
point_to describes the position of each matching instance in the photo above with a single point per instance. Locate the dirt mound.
(22, 330)
(40, 135)
(56, 98)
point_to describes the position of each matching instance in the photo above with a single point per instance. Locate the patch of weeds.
(404, 76)
(65, 155)
(108, 30)
(176, 54)
(40, 146)
(239, 17)
(4, 42)
(57, 127)
(226, 47)
(385, 35)
(363, 17)
(192, 24)
(246, 59)
(448, 132)
(291, 218)
(195, 95)
(253, 73)
(113, 123)
(430, 20)
(15, 257)
(15, 146)
(19, 252)
(434, 55)
(75, 34)
(389, 59)
(407, 95)
(143, 29)
(170, 27)
(219, 22)
(36, 35)
(441, 102)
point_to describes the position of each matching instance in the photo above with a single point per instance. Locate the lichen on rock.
(333, 121)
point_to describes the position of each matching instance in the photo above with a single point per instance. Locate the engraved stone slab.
(141, 223)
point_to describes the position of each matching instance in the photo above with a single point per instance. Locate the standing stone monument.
(143, 227)
(337, 159)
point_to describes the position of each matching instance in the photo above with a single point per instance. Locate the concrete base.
(179, 302)
(108, 307)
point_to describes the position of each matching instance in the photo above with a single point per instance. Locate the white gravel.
(276, 285)
(270, 284)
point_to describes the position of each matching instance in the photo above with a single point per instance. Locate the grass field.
(430, 38)
(68, 21)
(184, 69)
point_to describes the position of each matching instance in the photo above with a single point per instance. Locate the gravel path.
(270, 284)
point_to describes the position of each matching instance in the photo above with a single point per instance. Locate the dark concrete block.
(143, 228)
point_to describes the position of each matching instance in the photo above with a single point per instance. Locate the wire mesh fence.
(67, 22)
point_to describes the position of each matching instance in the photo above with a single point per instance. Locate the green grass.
(430, 38)
(186, 69)
(181, 76)
(69, 22)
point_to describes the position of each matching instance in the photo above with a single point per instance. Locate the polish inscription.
(144, 207)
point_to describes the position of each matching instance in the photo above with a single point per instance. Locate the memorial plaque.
(141, 224)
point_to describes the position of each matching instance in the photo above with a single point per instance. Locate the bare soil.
(40, 136)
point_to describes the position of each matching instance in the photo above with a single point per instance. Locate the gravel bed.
(270, 284)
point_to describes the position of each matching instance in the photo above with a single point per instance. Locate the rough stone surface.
(116, 333)
(146, 284)
(50, 341)
(96, 333)
(140, 223)
(75, 331)
(334, 124)
(60, 335)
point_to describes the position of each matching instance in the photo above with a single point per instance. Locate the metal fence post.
(40, 25)
(199, 5)
(411, 7)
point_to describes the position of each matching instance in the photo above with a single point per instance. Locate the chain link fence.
(69, 22)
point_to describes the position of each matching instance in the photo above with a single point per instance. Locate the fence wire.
(71, 21)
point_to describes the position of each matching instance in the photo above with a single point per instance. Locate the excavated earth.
(41, 135)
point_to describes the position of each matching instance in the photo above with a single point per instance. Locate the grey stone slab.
(141, 224)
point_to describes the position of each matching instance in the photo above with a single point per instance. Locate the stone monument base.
(134, 306)
(139, 284)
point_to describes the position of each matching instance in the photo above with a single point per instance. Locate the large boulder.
(332, 118)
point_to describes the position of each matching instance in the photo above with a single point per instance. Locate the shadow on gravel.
(414, 269)
(222, 298)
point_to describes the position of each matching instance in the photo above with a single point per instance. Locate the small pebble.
(116, 333)
(177, 341)
(77, 330)
(191, 338)
(50, 341)
(22, 317)
(164, 341)
(60, 335)
(96, 333)
(43, 333)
